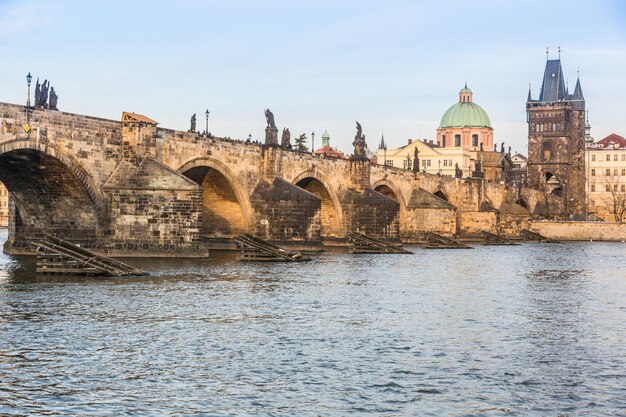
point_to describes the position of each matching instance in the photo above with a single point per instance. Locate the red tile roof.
(608, 141)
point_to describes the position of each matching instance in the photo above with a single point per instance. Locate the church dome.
(465, 113)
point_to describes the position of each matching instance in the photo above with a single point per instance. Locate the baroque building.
(606, 178)
(465, 124)
(556, 142)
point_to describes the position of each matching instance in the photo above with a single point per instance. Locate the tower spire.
(529, 95)
(547, 52)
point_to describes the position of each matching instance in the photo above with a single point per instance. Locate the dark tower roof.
(553, 88)
(578, 91)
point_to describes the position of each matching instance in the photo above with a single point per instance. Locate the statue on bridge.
(360, 146)
(37, 93)
(502, 147)
(458, 173)
(53, 99)
(269, 116)
(416, 160)
(43, 98)
(193, 123)
(285, 141)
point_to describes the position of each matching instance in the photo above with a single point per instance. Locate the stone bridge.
(130, 188)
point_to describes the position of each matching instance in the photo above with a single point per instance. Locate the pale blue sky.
(393, 65)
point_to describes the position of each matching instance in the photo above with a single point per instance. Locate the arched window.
(457, 140)
(474, 140)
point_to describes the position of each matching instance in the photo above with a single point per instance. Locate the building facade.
(433, 159)
(519, 169)
(606, 178)
(556, 142)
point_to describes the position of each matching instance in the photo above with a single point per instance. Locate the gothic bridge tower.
(556, 142)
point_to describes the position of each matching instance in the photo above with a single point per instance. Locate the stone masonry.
(132, 188)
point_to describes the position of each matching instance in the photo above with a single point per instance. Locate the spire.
(553, 88)
(382, 145)
(578, 91)
(529, 95)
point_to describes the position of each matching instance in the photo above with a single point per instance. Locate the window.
(554, 127)
(615, 172)
(547, 150)
(623, 157)
(623, 171)
(593, 172)
(614, 187)
(607, 188)
(443, 140)
(593, 188)
(593, 157)
(623, 188)
(457, 140)
(474, 140)
(615, 157)
(389, 163)
(445, 162)
(608, 171)
(423, 162)
(428, 162)
(608, 157)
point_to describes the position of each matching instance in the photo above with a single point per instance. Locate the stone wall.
(606, 231)
(287, 214)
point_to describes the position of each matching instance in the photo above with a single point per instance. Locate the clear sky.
(395, 66)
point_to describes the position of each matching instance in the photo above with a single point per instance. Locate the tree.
(615, 202)
(301, 143)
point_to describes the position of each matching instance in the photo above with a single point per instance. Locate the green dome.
(465, 114)
(465, 90)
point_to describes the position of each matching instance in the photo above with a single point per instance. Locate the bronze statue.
(53, 99)
(359, 144)
(502, 147)
(509, 151)
(458, 173)
(37, 93)
(416, 160)
(269, 116)
(43, 102)
(285, 141)
(495, 147)
(193, 123)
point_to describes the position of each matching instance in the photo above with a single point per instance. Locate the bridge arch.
(391, 190)
(52, 193)
(441, 194)
(227, 210)
(331, 214)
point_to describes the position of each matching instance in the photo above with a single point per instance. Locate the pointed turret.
(578, 91)
(529, 95)
(553, 88)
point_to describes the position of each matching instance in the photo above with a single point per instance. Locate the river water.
(535, 329)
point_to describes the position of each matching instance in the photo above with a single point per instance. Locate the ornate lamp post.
(313, 142)
(29, 79)
(440, 167)
(206, 113)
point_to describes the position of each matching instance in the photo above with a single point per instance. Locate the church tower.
(556, 142)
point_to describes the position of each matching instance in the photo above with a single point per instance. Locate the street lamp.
(440, 167)
(313, 142)
(29, 79)
(206, 113)
(249, 137)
